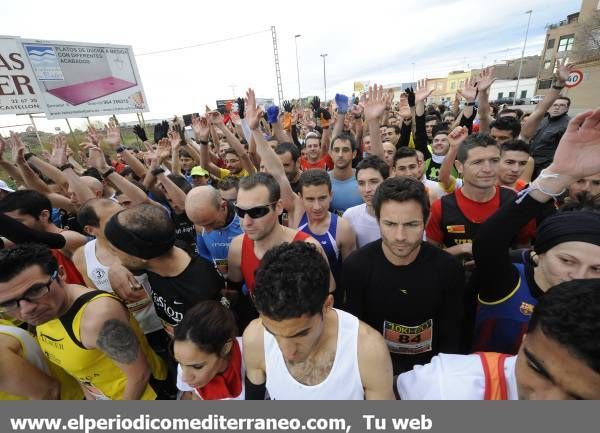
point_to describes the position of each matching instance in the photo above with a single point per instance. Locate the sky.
(378, 41)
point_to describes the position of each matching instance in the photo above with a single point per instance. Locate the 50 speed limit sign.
(575, 77)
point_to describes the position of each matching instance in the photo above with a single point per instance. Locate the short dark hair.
(376, 163)
(401, 189)
(508, 111)
(515, 145)
(473, 141)
(314, 177)
(431, 117)
(184, 154)
(448, 114)
(229, 182)
(566, 98)
(13, 260)
(265, 179)
(230, 150)
(209, 325)
(397, 129)
(285, 290)
(507, 124)
(147, 221)
(94, 172)
(568, 314)
(442, 128)
(404, 152)
(87, 216)
(26, 201)
(283, 148)
(181, 182)
(345, 136)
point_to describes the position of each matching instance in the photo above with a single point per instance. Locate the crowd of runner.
(363, 248)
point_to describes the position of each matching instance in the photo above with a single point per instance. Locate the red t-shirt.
(72, 275)
(250, 262)
(325, 163)
(476, 212)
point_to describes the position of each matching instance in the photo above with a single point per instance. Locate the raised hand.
(164, 150)
(457, 136)
(215, 118)
(342, 102)
(96, 159)
(113, 134)
(93, 136)
(240, 103)
(469, 92)
(410, 95)
(58, 157)
(422, 93)
(253, 113)
(272, 113)
(140, 132)
(3, 147)
(563, 70)
(404, 109)
(375, 101)
(235, 119)
(578, 152)
(486, 79)
(287, 106)
(200, 127)
(160, 130)
(316, 104)
(174, 138)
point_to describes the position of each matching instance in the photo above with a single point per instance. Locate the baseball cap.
(5, 187)
(198, 171)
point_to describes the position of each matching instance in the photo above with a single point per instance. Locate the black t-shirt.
(185, 233)
(173, 296)
(418, 307)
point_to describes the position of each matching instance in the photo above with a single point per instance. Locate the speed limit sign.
(575, 77)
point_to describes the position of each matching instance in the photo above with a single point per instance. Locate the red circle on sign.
(575, 77)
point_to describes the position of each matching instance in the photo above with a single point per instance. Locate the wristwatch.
(157, 171)
(470, 104)
(108, 172)
(65, 166)
(203, 141)
(119, 149)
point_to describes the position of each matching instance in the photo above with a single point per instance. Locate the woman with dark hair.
(209, 354)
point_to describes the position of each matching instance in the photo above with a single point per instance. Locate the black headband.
(134, 245)
(573, 226)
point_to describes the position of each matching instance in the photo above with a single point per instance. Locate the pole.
(71, 131)
(298, 68)
(36, 131)
(522, 55)
(324, 79)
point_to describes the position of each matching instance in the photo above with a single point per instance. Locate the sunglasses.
(32, 294)
(254, 212)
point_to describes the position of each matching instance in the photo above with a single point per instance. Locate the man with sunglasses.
(88, 333)
(258, 206)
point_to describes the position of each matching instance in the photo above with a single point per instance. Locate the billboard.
(19, 90)
(75, 79)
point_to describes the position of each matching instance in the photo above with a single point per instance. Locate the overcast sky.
(371, 40)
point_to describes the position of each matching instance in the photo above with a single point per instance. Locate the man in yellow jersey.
(88, 333)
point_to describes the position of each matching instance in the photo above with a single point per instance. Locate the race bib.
(408, 340)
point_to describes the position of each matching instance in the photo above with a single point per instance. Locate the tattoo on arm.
(118, 341)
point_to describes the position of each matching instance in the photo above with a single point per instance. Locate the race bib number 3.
(408, 340)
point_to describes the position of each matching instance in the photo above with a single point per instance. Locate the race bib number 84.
(408, 340)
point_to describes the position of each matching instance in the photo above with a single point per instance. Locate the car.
(536, 99)
(509, 101)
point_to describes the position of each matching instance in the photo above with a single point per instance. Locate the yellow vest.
(69, 388)
(60, 340)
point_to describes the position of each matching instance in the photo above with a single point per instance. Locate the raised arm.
(216, 119)
(291, 201)
(10, 168)
(201, 129)
(532, 123)
(455, 138)
(485, 81)
(375, 101)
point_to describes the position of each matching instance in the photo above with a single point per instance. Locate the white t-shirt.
(365, 226)
(452, 377)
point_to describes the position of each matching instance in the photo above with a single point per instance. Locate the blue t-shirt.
(345, 194)
(214, 245)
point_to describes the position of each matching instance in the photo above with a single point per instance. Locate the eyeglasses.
(254, 212)
(32, 294)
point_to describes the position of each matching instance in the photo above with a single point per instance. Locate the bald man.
(216, 224)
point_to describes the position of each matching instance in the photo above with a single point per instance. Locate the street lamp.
(522, 55)
(324, 79)
(298, 67)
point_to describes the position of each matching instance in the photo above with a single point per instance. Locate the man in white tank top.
(94, 259)
(301, 348)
